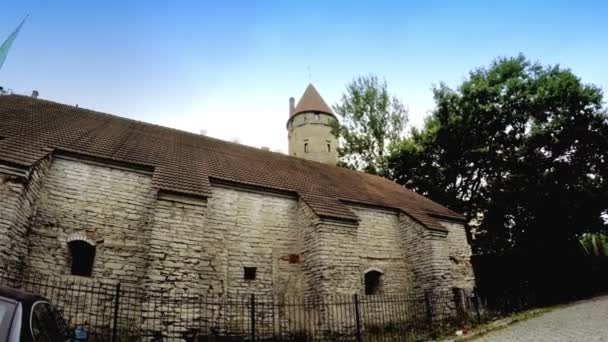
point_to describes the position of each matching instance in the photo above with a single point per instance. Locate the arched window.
(328, 147)
(373, 282)
(83, 256)
(306, 147)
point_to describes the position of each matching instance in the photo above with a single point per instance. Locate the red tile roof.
(185, 162)
(311, 101)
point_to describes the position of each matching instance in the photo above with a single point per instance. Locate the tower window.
(317, 116)
(306, 147)
(249, 273)
(83, 256)
(373, 282)
(328, 147)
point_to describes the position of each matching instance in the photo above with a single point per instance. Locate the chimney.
(292, 105)
(35, 94)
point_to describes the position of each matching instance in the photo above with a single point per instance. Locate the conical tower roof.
(311, 101)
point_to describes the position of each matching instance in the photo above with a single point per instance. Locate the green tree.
(520, 148)
(371, 123)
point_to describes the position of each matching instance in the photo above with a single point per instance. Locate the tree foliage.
(371, 123)
(520, 149)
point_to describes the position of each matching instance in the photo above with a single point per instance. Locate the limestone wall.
(420, 254)
(303, 129)
(109, 206)
(182, 249)
(460, 272)
(332, 261)
(380, 248)
(259, 230)
(18, 194)
(195, 248)
(173, 241)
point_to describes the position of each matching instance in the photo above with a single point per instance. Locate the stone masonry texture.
(157, 241)
(304, 128)
(18, 197)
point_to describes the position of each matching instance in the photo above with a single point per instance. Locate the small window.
(249, 273)
(328, 147)
(294, 258)
(317, 116)
(373, 282)
(83, 256)
(306, 147)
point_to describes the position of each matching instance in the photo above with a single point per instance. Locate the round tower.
(309, 128)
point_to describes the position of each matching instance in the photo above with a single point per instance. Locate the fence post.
(429, 307)
(115, 317)
(476, 304)
(252, 317)
(357, 316)
(461, 311)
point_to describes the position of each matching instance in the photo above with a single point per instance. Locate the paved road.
(583, 321)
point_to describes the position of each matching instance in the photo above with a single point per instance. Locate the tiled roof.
(311, 101)
(185, 162)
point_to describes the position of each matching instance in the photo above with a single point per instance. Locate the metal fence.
(111, 311)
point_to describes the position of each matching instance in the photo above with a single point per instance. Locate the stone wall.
(380, 248)
(304, 128)
(106, 205)
(261, 231)
(19, 191)
(420, 254)
(193, 247)
(182, 249)
(330, 254)
(460, 273)
(172, 241)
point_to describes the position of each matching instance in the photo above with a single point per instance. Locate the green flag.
(8, 42)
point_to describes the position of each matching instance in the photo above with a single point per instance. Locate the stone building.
(88, 194)
(309, 129)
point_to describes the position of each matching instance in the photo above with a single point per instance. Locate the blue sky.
(229, 67)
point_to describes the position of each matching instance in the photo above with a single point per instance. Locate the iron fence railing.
(111, 311)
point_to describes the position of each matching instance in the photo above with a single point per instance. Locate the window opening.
(83, 256)
(249, 273)
(373, 282)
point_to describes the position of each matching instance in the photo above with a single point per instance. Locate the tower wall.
(311, 138)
